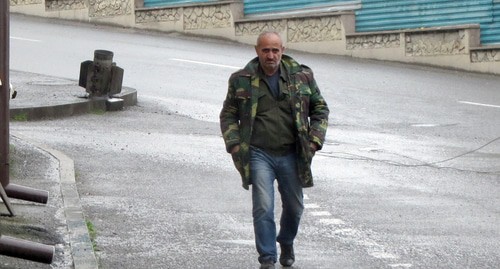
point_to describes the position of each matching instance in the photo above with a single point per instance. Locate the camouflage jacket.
(310, 113)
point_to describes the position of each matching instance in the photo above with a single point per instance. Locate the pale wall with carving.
(485, 56)
(331, 33)
(207, 17)
(158, 15)
(436, 43)
(25, 2)
(110, 8)
(59, 5)
(374, 41)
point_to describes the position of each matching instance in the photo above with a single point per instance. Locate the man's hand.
(235, 149)
(313, 147)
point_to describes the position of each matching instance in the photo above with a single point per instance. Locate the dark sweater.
(273, 129)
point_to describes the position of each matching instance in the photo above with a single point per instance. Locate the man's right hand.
(235, 149)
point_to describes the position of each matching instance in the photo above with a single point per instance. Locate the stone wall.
(333, 33)
(374, 41)
(58, 5)
(207, 17)
(314, 29)
(212, 19)
(158, 15)
(96, 8)
(25, 2)
(256, 27)
(436, 43)
(110, 8)
(485, 55)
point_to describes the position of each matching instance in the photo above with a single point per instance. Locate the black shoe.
(287, 257)
(267, 265)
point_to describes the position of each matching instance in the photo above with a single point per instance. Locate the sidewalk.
(40, 96)
(61, 222)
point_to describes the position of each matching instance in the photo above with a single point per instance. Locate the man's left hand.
(313, 146)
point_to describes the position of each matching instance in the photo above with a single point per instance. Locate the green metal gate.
(253, 7)
(380, 15)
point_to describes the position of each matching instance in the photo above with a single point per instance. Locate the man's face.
(270, 49)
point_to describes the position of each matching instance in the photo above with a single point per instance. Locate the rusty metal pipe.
(27, 193)
(27, 250)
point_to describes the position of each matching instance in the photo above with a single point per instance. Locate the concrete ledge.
(486, 55)
(295, 16)
(417, 30)
(197, 4)
(76, 107)
(487, 47)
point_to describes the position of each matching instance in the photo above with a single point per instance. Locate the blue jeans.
(265, 168)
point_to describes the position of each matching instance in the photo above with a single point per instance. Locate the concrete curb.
(82, 250)
(75, 107)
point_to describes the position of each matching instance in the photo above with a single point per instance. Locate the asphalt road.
(409, 177)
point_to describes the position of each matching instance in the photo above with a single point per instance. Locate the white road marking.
(321, 213)
(424, 125)
(332, 221)
(25, 39)
(401, 265)
(347, 232)
(238, 242)
(381, 254)
(369, 149)
(478, 104)
(311, 205)
(205, 63)
(354, 236)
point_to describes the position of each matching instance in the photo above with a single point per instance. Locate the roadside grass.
(21, 117)
(98, 111)
(92, 233)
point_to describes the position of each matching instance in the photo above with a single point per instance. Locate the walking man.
(273, 120)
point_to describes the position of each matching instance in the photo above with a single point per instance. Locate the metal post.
(26, 250)
(6, 201)
(12, 190)
(4, 92)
